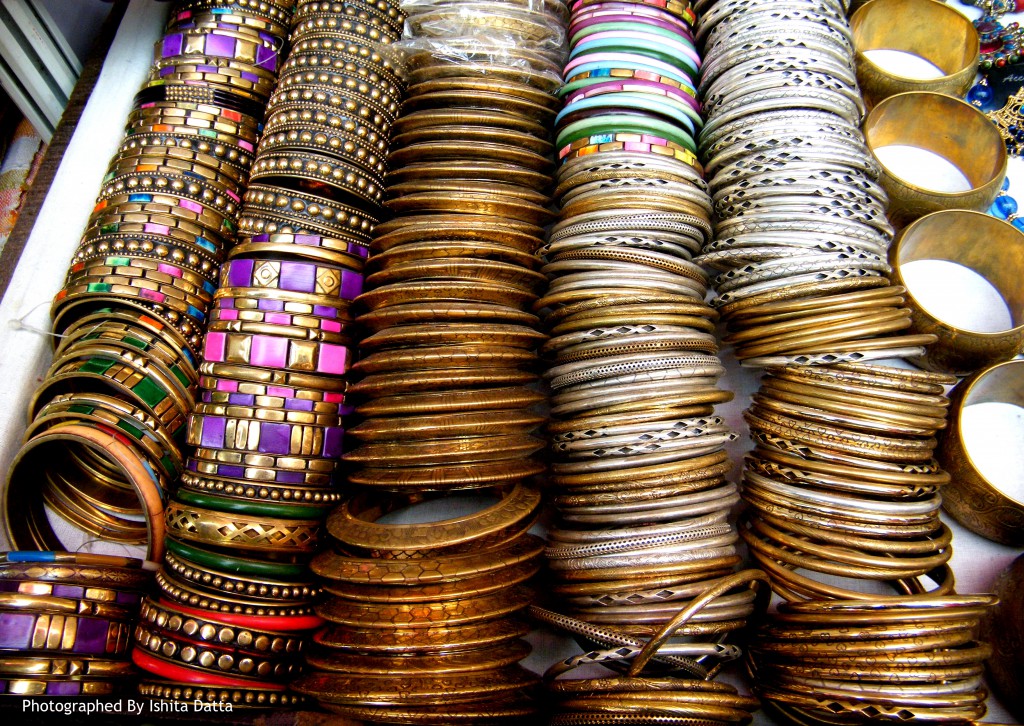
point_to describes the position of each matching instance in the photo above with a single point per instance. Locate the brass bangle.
(217, 582)
(271, 409)
(264, 376)
(56, 605)
(205, 526)
(17, 665)
(420, 571)
(65, 635)
(255, 697)
(28, 527)
(212, 659)
(452, 613)
(184, 593)
(439, 639)
(353, 523)
(166, 619)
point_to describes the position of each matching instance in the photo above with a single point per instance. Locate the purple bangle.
(220, 45)
(77, 592)
(293, 276)
(291, 403)
(313, 240)
(268, 351)
(280, 439)
(279, 476)
(274, 318)
(63, 634)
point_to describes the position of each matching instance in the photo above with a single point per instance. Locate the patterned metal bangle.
(166, 619)
(269, 491)
(280, 439)
(240, 585)
(183, 594)
(277, 353)
(294, 276)
(257, 697)
(63, 634)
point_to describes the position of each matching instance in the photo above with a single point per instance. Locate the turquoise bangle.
(250, 506)
(639, 100)
(649, 48)
(237, 565)
(613, 123)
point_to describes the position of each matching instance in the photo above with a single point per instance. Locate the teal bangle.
(237, 565)
(572, 86)
(613, 123)
(661, 105)
(250, 506)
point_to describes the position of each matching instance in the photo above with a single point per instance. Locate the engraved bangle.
(196, 524)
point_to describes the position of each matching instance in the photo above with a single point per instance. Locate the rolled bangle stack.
(801, 232)
(842, 486)
(236, 595)
(103, 448)
(643, 551)
(424, 624)
(66, 620)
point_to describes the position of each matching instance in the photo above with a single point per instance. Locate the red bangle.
(280, 623)
(174, 672)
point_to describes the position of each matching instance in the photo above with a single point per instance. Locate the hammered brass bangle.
(353, 523)
(194, 524)
(452, 613)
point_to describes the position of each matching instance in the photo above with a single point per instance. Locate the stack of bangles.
(639, 461)
(66, 622)
(236, 602)
(425, 624)
(842, 485)
(109, 420)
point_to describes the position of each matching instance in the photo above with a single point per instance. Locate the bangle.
(274, 409)
(170, 670)
(218, 583)
(117, 334)
(63, 634)
(452, 613)
(59, 686)
(76, 568)
(245, 506)
(266, 437)
(238, 47)
(29, 527)
(176, 127)
(267, 695)
(172, 117)
(178, 170)
(419, 571)
(189, 149)
(316, 169)
(82, 667)
(237, 565)
(289, 397)
(310, 211)
(316, 496)
(243, 612)
(260, 534)
(226, 318)
(349, 253)
(167, 91)
(295, 276)
(178, 182)
(114, 413)
(79, 592)
(198, 261)
(353, 523)
(57, 605)
(260, 474)
(266, 351)
(256, 299)
(404, 641)
(167, 620)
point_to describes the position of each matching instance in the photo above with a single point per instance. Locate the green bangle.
(237, 565)
(616, 123)
(248, 506)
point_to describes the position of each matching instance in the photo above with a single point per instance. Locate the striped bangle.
(260, 475)
(274, 408)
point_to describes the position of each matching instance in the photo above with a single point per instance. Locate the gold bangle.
(205, 526)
